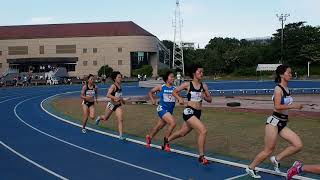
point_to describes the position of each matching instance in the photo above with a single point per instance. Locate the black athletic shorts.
(188, 112)
(88, 104)
(113, 107)
(279, 120)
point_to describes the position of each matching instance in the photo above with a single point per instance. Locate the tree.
(105, 70)
(144, 70)
(300, 43)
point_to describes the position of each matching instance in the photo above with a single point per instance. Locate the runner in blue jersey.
(165, 108)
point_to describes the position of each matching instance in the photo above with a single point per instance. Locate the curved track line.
(87, 150)
(159, 147)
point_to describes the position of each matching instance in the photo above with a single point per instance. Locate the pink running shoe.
(294, 170)
(148, 141)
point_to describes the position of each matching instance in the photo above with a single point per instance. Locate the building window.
(70, 67)
(41, 49)
(119, 50)
(18, 50)
(85, 63)
(0, 53)
(66, 49)
(119, 62)
(95, 63)
(85, 50)
(95, 50)
(0, 65)
(138, 59)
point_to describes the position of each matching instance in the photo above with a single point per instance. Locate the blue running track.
(36, 145)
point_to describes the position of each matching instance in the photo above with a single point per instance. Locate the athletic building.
(81, 48)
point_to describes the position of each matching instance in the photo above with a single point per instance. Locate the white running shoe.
(84, 131)
(97, 120)
(276, 164)
(121, 137)
(252, 173)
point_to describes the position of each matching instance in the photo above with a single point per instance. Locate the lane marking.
(230, 163)
(32, 162)
(87, 150)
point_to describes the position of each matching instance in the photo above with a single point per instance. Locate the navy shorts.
(162, 111)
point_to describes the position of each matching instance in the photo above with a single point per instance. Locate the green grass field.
(230, 133)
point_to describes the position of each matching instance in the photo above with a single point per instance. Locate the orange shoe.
(148, 141)
(203, 160)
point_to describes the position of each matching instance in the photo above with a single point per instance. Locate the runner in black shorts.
(276, 124)
(197, 91)
(89, 94)
(114, 105)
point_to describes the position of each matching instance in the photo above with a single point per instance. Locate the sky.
(202, 19)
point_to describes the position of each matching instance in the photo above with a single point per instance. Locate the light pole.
(282, 18)
(309, 68)
(104, 69)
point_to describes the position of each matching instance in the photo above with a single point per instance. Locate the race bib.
(118, 94)
(187, 111)
(110, 106)
(273, 121)
(169, 98)
(196, 96)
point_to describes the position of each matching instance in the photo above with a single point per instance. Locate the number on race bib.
(273, 121)
(110, 105)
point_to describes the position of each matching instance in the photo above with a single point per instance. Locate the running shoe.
(97, 121)
(252, 173)
(294, 170)
(84, 130)
(203, 160)
(276, 164)
(167, 147)
(148, 141)
(121, 137)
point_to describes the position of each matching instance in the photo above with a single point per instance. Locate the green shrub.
(144, 70)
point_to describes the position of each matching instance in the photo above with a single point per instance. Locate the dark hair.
(193, 68)
(281, 69)
(166, 76)
(114, 75)
(89, 76)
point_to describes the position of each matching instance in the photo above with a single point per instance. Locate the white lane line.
(32, 162)
(3, 97)
(230, 163)
(87, 150)
(236, 177)
(11, 99)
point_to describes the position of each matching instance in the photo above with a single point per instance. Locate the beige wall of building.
(107, 52)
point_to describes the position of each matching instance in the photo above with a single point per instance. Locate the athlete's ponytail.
(280, 71)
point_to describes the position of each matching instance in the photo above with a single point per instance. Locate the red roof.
(127, 28)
